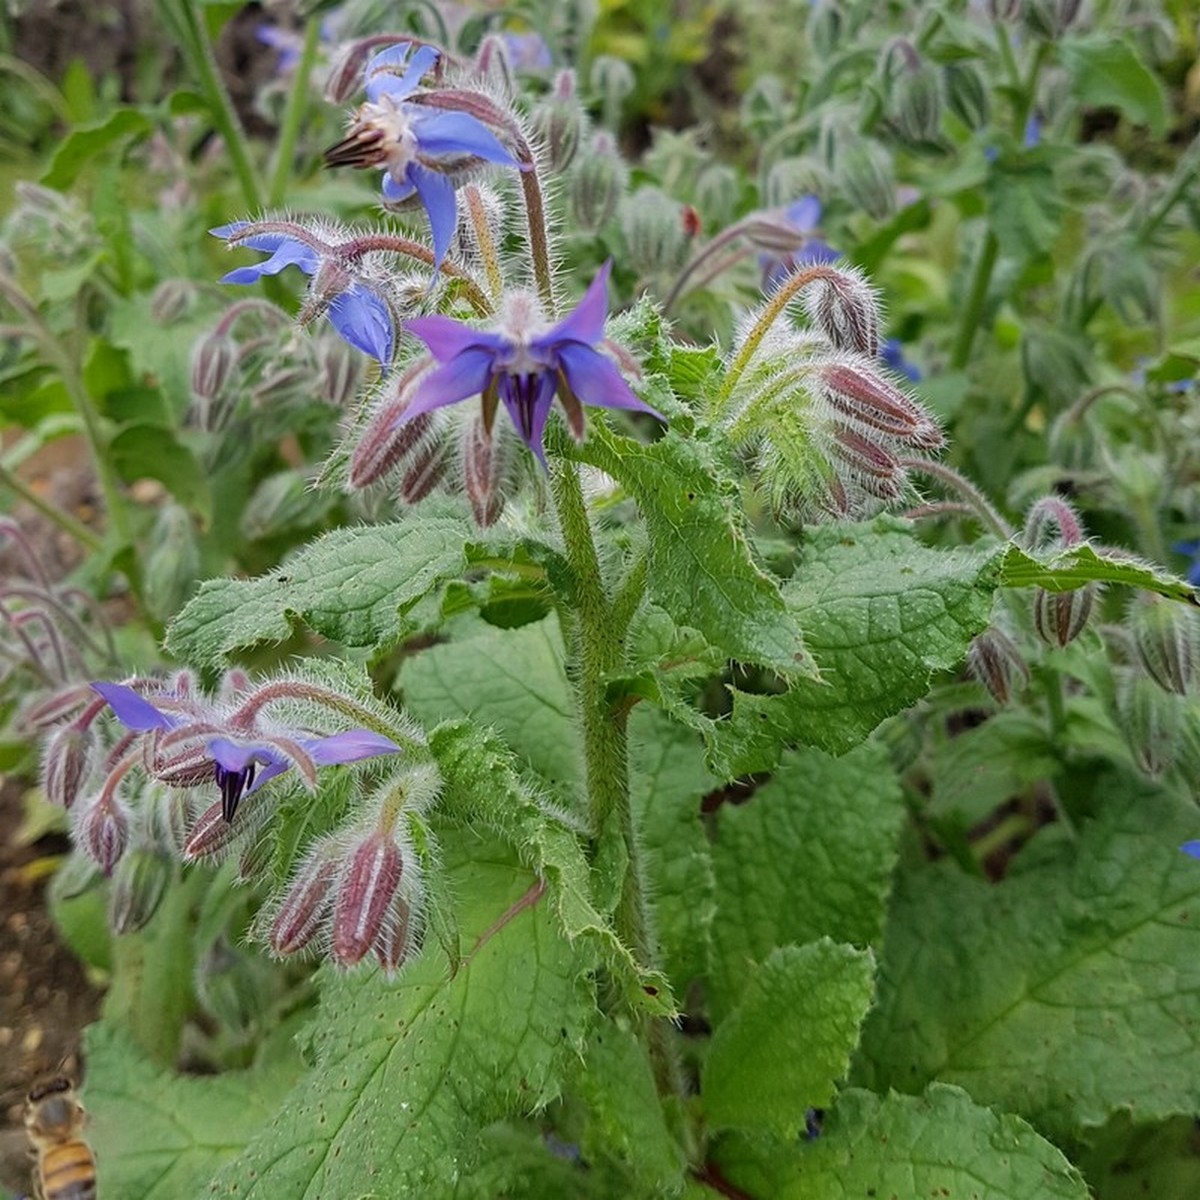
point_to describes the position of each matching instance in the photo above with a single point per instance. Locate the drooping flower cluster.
(832, 431)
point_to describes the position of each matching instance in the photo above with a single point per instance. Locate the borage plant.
(500, 800)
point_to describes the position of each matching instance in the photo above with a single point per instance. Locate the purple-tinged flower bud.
(859, 394)
(286, 385)
(102, 831)
(172, 561)
(346, 73)
(597, 184)
(1166, 639)
(1060, 617)
(482, 471)
(67, 764)
(340, 370)
(994, 660)
(55, 708)
(424, 472)
(399, 935)
(213, 835)
(559, 121)
(214, 358)
(1052, 524)
(138, 886)
(306, 904)
(842, 305)
(873, 466)
(493, 67)
(966, 94)
(366, 887)
(864, 171)
(172, 300)
(388, 440)
(1151, 720)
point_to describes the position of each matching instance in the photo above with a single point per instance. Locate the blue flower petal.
(394, 191)
(1192, 848)
(133, 711)
(804, 214)
(817, 252)
(441, 203)
(595, 380)
(586, 322)
(459, 133)
(381, 79)
(288, 253)
(530, 420)
(348, 747)
(236, 757)
(363, 320)
(447, 338)
(465, 375)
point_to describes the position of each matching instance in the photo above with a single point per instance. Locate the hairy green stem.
(293, 114)
(189, 25)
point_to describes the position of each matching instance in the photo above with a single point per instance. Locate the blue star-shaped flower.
(359, 314)
(420, 146)
(525, 366)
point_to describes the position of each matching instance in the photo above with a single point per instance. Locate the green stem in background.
(974, 498)
(1184, 177)
(183, 16)
(293, 115)
(67, 523)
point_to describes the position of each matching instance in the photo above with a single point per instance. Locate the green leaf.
(625, 1118)
(786, 1045)
(1067, 992)
(408, 1072)
(352, 585)
(668, 781)
(1133, 1162)
(1107, 72)
(512, 679)
(902, 1147)
(483, 788)
(159, 1136)
(809, 855)
(699, 567)
(881, 613)
(1084, 564)
(80, 146)
(1024, 203)
(147, 451)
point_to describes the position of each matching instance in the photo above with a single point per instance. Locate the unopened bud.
(398, 936)
(168, 819)
(214, 357)
(859, 394)
(864, 171)
(1054, 363)
(842, 304)
(1050, 19)
(1166, 639)
(966, 94)
(213, 836)
(306, 903)
(1152, 722)
(559, 121)
(482, 469)
(423, 472)
(1052, 525)
(915, 95)
(493, 67)
(339, 371)
(364, 897)
(612, 79)
(655, 231)
(826, 27)
(172, 561)
(994, 660)
(138, 886)
(172, 300)
(283, 386)
(718, 191)
(229, 986)
(283, 502)
(1060, 617)
(597, 184)
(868, 460)
(102, 831)
(48, 711)
(1131, 284)
(387, 442)
(1004, 10)
(67, 764)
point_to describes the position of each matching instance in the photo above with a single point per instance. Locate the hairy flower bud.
(339, 371)
(1151, 720)
(842, 304)
(1166, 639)
(994, 660)
(825, 30)
(172, 300)
(230, 987)
(597, 184)
(718, 190)
(67, 764)
(863, 170)
(655, 231)
(388, 440)
(102, 831)
(914, 93)
(306, 903)
(138, 886)
(612, 79)
(283, 502)
(559, 121)
(493, 67)
(400, 933)
(966, 94)
(423, 472)
(1060, 617)
(172, 561)
(1050, 18)
(213, 835)
(214, 358)
(364, 896)
(482, 471)
(862, 396)
(872, 466)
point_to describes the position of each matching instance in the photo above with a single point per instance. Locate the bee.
(66, 1169)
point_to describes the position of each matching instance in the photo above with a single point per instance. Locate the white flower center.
(399, 144)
